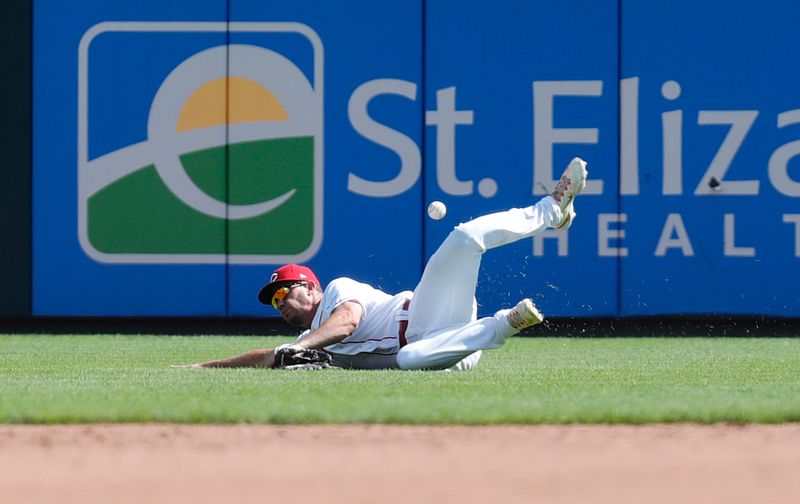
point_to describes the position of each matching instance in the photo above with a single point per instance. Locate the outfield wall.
(15, 176)
(183, 149)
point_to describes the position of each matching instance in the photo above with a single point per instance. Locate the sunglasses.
(281, 293)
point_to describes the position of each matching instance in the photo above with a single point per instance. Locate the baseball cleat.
(524, 315)
(572, 182)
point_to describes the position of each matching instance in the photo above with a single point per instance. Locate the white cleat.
(525, 314)
(572, 182)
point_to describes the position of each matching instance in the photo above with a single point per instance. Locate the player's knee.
(418, 356)
(465, 236)
(408, 358)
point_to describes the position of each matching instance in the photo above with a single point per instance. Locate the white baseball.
(436, 210)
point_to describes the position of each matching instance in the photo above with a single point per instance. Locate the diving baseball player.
(433, 327)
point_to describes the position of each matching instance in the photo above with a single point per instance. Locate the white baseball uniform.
(379, 331)
(439, 329)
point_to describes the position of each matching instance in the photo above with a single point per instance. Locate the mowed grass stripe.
(112, 378)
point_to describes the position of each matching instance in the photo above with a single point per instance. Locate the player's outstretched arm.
(342, 322)
(254, 358)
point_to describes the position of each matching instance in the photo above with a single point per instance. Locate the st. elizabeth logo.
(230, 168)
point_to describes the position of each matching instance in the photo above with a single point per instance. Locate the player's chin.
(292, 318)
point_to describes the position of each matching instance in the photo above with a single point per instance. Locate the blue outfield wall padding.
(130, 160)
(183, 150)
(363, 60)
(512, 96)
(710, 173)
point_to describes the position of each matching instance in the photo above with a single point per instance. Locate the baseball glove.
(294, 358)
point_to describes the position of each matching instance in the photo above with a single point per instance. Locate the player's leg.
(555, 210)
(467, 363)
(445, 294)
(458, 346)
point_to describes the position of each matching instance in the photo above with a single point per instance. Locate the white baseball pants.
(443, 332)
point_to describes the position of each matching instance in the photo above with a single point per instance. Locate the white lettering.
(605, 234)
(560, 236)
(629, 136)
(545, 135)
(731, 250)
(672, 141)
(674, 224)
(403, 146)
(741, 121)
(445, 118)
(672, 124)
(794, 219)
(779, 161)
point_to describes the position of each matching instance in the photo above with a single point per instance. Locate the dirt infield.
(368, 464)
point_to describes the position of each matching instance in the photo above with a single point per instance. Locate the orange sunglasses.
(281, 293)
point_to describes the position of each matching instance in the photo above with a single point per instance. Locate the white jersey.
(379, 329)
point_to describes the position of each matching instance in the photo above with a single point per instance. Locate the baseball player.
(433, 327)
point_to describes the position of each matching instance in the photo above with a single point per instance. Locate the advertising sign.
(710, 115)
(195, 149)
(184, 150)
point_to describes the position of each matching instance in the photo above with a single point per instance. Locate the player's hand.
(295, 357)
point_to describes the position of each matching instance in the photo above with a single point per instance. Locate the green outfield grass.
(65, 379)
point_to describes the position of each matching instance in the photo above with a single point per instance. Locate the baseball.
(436, 210)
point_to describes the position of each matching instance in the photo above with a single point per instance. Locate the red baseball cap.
(291, 273)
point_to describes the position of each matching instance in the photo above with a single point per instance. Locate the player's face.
(297, 306)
